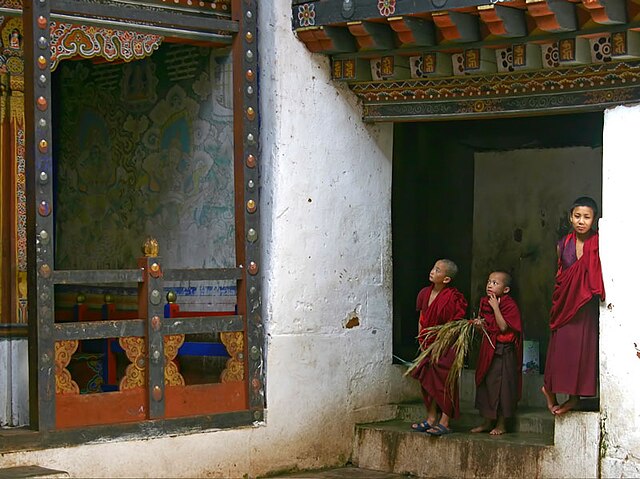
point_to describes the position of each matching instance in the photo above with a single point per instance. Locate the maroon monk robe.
(499, 369)
(448, 305)
(572, 356)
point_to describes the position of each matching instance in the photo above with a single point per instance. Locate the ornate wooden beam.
(566, 90)
(184, 21)
(553, 15)
(372, 36)
(327, 39)
(503, 21)
(457, 27)
(606, 12)
(413, 31)
(328, 12)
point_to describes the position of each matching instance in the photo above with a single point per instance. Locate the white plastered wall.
(619, 325)
(326, 258)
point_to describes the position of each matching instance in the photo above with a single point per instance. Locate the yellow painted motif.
(234, 342)
(135, 373)
(172, 376)
(63, 352)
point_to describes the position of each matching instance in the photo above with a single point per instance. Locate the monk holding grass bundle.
(572, 357)
(438, 304)
(499, 370)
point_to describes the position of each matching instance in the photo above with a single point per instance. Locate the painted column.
(619, 324)
(14, 385)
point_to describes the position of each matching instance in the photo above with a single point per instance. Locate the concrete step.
(391, 446)
(19, 472)
(528, 419)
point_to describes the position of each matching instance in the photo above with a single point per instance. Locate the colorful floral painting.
(307, 15)
(386, 7)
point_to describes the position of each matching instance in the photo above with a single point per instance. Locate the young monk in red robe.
(438, 304)
(572, 357)
(499, 370)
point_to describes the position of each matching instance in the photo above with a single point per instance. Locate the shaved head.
(451, 267)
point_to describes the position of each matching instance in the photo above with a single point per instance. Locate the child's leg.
(432, 412)
(552, 401)
(484, 427)
(444, 420)
(500, 427)
(568, 405)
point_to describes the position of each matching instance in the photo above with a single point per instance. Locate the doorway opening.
(488, 194)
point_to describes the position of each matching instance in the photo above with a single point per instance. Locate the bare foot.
(568, 405)
(552, 402)
(484, 427)
(500, 428)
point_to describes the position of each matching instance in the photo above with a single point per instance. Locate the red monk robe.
(572, 357)
(499, 369)
(449, 305)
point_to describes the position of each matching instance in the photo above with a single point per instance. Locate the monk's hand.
(494, 302)
(477, 322)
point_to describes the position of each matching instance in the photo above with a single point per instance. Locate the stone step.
(392, 447)
(528, 419)
(19, 472)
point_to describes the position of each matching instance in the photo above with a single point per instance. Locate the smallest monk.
(499, 369)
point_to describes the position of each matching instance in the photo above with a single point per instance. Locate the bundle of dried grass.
(456, 334)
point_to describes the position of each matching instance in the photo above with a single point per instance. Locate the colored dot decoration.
(43, 146)
(42, 22)
(44, 209)
(157, 393)
(41, 103)
(253, 268)
(251, 114)
(251, 206)
(155, 323)
(251, 161)
(249, 75)
(45, 270)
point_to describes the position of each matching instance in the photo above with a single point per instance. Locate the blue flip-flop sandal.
(439, 430)
(423, 426)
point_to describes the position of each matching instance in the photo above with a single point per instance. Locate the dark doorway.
(437, 210)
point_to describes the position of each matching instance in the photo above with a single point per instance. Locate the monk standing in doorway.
(572, 357)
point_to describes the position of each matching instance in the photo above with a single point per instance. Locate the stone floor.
(342, 473)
